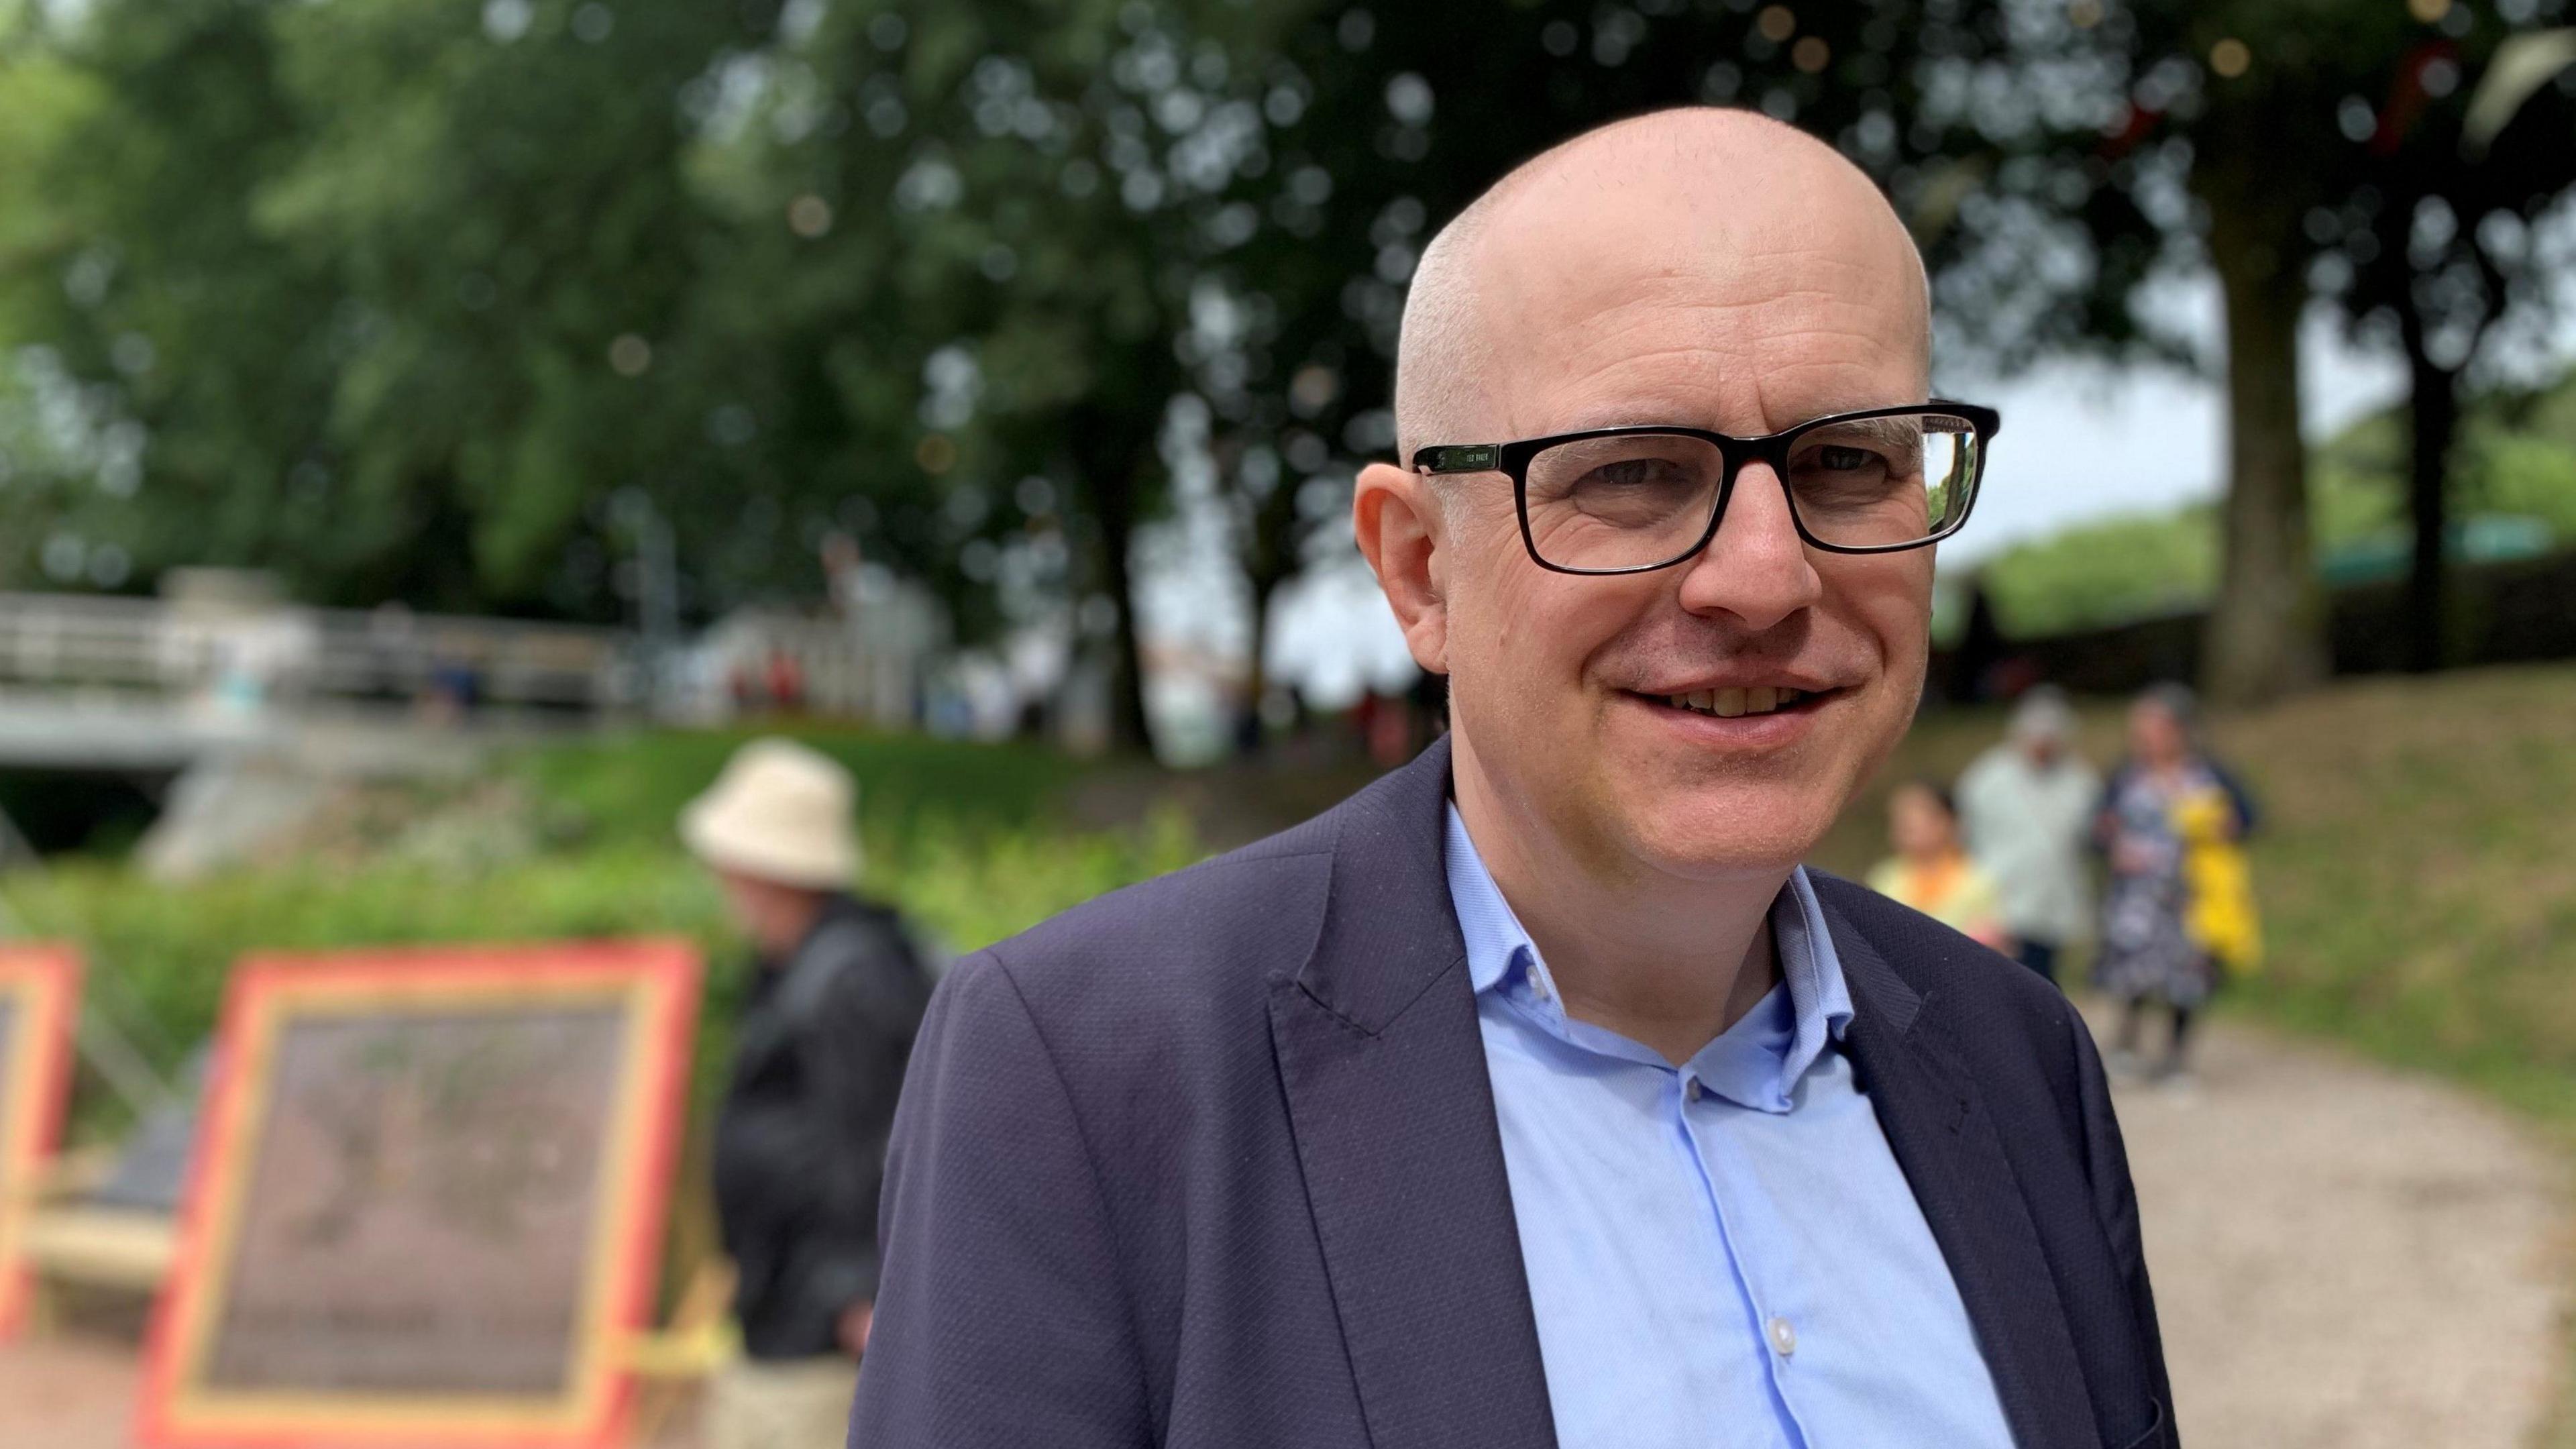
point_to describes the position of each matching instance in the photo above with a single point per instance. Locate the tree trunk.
(2433, 416)
(1265, 587)
(1268, 552)
(2266, 636)
(1108, 443)
(1129, 730)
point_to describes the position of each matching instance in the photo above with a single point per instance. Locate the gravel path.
(2345, 1258)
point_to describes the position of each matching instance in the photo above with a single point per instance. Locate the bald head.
(1699, 207)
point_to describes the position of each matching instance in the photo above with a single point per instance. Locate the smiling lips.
(1730, 703)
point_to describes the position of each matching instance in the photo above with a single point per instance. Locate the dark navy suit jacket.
(1212, 1163)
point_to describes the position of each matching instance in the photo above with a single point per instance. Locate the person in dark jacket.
(819, 1057)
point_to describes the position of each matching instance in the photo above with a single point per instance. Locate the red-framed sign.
(39, 1000)
(426, 1200)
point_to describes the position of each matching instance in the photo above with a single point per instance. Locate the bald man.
(1536, 1095)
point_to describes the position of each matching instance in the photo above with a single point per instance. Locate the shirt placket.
(1770, 1317)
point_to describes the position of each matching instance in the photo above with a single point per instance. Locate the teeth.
(1732, 703)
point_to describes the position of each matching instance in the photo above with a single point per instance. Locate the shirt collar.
(1500, 954)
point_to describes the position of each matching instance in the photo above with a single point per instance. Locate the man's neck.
(1665, 961)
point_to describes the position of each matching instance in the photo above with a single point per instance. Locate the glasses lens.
(1622, 503)
(1877, 482)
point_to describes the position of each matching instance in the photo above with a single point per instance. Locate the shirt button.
(1692, 1089)
(1784, 1339)
(1538, 987)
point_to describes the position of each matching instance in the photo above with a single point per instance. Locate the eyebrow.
(1636, 417)
(1904, 428)
(1887, 429)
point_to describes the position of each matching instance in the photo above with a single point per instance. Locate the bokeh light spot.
(809, 216)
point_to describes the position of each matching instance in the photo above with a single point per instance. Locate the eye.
(1838, 459)
(1630, 473)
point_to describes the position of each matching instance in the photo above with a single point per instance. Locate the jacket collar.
(1388, 932)
(1383, 1067)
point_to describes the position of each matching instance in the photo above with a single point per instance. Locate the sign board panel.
(39, 993)
(426, 1199)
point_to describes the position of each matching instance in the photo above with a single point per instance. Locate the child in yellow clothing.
(1931, 871)
(2217, 882)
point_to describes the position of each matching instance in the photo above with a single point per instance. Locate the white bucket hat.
(780, 812)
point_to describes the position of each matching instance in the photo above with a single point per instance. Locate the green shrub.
(962, 838)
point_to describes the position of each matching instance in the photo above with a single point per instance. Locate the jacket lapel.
(1384, 1070)
(1947, 1145)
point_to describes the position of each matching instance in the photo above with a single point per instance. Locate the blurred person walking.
(819, 1056)
(1932, 872)
(2026, 809)
(2179, 910)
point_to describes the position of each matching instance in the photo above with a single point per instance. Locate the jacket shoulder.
(1199, 906)
(1200, 941)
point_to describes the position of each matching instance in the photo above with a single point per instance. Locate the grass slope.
(2416, 866)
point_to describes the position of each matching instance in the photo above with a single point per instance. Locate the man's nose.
(1755, 567)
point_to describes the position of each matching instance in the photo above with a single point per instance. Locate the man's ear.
(1397, 519)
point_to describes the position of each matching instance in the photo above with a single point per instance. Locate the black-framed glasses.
(1629, 500)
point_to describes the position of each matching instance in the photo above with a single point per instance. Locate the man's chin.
(1721, 833)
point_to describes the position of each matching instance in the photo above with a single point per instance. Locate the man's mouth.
(1735, 703)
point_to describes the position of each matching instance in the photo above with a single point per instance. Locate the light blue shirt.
(1726, 1254)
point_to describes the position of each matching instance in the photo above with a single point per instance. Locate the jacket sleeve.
(854, 1049)
(2115, 1201)
(1002, 1318)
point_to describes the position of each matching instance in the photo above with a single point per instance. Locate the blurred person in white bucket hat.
(820, 1049)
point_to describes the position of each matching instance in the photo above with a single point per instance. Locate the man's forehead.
(1709, 268)
(1591, 245)
(1743, 349)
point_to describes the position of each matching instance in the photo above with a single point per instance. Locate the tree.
(150, 297)
(2440, 238)
(1059, 167)
(2224, 126)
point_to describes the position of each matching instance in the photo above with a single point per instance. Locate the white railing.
(87, 643)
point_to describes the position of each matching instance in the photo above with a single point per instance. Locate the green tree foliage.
(349, 280)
